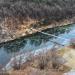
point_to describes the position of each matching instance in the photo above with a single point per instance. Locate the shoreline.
(24, 56)
(27, 32)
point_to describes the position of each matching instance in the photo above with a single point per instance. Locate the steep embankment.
(18, 16)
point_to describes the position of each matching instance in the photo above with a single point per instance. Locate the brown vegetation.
(47, 63)
(37, 9)
(17, 16)
(20, 10)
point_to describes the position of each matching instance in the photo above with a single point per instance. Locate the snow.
(70, 73)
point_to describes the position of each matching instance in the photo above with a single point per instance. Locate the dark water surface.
(36, 41)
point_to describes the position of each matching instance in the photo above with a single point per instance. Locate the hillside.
(17, 16)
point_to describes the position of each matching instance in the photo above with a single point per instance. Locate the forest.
(37, 9)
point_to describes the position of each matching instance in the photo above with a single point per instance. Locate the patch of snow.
(70, 73)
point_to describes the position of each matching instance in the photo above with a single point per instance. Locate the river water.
(36, 41)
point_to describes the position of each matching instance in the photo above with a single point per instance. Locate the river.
(36, 41)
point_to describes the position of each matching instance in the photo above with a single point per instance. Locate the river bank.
(42, 62)
(25, 29)
(17, 17)
(67, 32)
(35, 42)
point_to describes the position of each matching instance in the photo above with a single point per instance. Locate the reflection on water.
(4, 57)
(33, 42)
(15, 46)
(59, 30)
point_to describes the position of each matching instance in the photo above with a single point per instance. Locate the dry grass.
(46, 63)
(33, 71)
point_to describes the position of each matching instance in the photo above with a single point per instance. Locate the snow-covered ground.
(70, 73)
